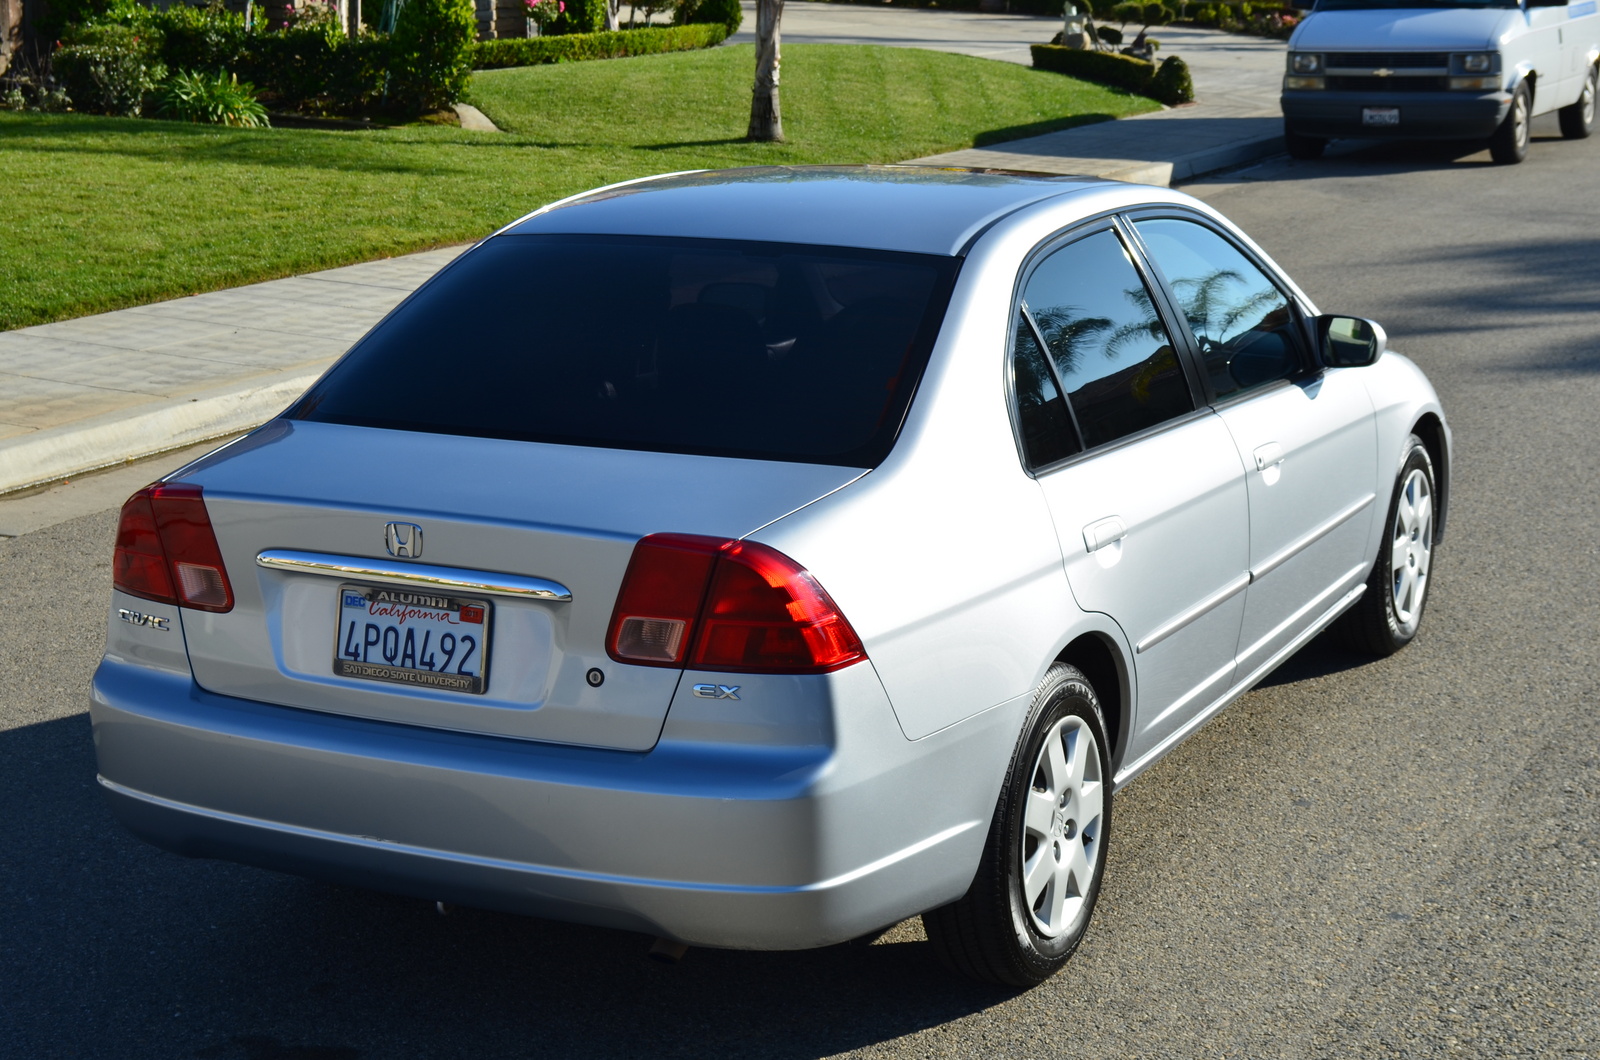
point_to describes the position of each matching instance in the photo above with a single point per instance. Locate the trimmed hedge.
(575, 47)
(1106, 68)
(1121, 71)
(1172, 83)
(727, 12)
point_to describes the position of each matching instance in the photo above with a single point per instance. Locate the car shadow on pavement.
(109, 947)
(1324, 655)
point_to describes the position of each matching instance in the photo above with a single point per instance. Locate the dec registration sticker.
(413, 637)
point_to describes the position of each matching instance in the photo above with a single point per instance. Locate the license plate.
(413, 637)
(1380, 115)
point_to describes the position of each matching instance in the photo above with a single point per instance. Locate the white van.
(1441, 69)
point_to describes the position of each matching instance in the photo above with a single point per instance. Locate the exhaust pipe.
(667, 951)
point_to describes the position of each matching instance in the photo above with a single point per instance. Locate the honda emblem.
(403, 540)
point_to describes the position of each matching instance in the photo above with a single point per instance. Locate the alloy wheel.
(1061, 827)
(1412, 549)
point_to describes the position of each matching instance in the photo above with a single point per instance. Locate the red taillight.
(716, 604)
(167, 551)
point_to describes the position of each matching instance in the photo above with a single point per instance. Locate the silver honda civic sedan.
(759, 558)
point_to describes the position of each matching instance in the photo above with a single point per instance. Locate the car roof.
(918, 209)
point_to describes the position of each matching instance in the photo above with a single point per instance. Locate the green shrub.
(581, 16)
(109, 69)
(200, 38)
(214, 98)
(1172, 84)
(1122, 71)
(573, 47)
(716, 12)
(1109, 34)
(310, 69)
(431, 53)
(1158, 15)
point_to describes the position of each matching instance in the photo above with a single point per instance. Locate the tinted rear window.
(761, 350)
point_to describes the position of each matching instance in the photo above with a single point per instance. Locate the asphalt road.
(1359, 859)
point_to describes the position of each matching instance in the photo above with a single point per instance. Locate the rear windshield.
(772, 351)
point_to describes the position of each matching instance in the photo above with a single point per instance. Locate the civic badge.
(403, 540)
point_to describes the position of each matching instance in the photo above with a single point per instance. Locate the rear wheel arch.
(1100, 661)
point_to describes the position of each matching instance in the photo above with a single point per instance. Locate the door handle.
(1103, 532)
(1268, 455)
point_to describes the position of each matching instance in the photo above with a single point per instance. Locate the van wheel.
(1509, 144)
(1030, 903)
(1302, 147)
(1577, 119)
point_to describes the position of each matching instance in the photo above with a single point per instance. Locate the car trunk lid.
(540, 534)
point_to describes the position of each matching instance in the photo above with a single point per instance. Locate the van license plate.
(413, 637)
(1380, 115)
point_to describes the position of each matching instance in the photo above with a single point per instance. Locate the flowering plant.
(543, 12)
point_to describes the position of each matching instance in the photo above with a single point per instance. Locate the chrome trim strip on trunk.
(1172, 625)
(415, 575)
(1317, 533)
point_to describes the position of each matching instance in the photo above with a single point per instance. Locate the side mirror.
(1350, 342)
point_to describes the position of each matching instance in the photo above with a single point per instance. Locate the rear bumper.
(1423, 115)
(760, 847)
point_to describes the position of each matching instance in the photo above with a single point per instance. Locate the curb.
(1198, 164)
(75, 448)
(1161, 174)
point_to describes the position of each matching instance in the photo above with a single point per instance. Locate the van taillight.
(716, 604)
(167, 551)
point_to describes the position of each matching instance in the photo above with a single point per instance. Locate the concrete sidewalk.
(99, 391)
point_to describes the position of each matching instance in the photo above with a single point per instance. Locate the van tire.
(1577, 119)
(1509, 144)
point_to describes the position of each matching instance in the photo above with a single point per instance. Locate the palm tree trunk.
(766, 120)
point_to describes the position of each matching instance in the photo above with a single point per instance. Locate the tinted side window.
(1107, 342)
(1244, 325)
(1047, 434)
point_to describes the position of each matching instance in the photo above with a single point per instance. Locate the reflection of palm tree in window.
(1031, 372)
(1149, 327)
(1068, 333)
(1214, 312)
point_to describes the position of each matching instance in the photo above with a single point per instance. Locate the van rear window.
(771, 351)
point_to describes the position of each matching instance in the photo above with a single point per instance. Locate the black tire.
(1303, 147)
(1378, 624)
(1577, 119)
(1509, 144)
(992, 933)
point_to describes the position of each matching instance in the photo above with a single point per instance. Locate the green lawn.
(104, 213)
